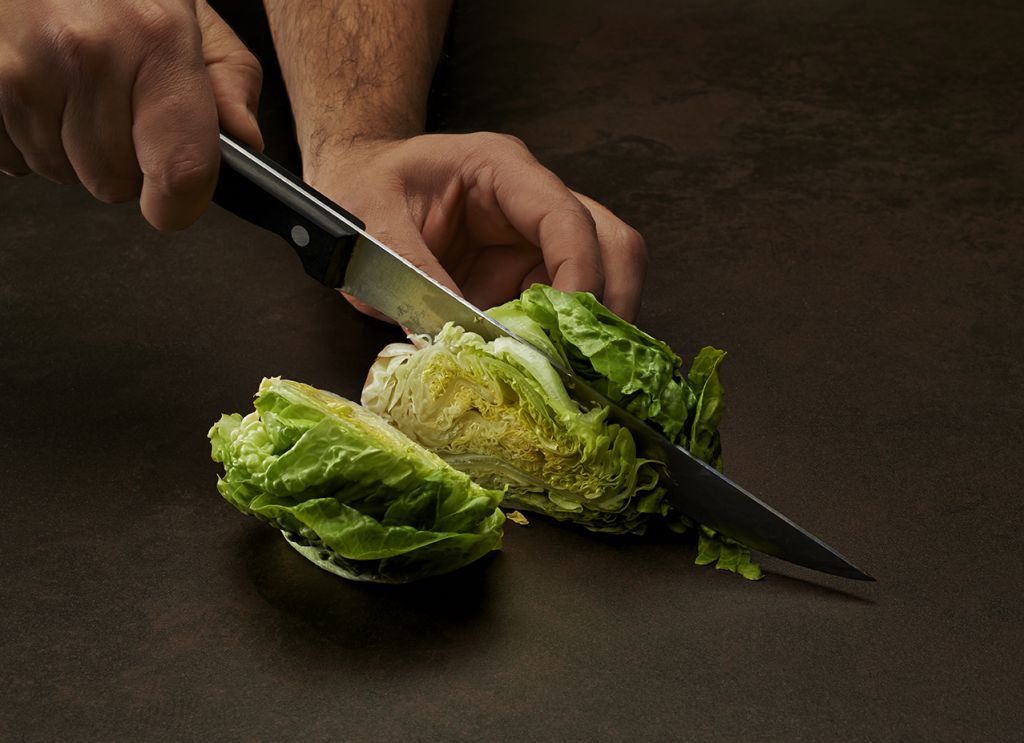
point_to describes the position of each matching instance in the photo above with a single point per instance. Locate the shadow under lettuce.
(404, 620)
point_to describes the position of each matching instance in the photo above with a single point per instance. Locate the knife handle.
(260, 191)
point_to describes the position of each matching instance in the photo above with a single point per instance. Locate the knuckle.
(248, 71)
(516, 142)
(75, 45)
(493, 141)
(582, 215)
(571, 217)
(634, 245)
(248, 65)
(155, 23)
(185, 175)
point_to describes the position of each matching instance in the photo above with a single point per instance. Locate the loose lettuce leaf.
(725, 554)
(351, 492)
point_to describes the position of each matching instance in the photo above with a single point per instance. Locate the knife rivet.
(300, 236)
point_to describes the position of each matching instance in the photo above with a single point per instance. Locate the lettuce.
(499, 412)
(623, 363)
(351, 493)
(409, 485)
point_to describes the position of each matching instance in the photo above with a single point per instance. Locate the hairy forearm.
(356, 69)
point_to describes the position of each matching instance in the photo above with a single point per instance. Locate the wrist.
(325, 157)
(315, 145)
(363, 127)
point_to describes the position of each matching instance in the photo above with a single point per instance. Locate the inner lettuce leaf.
(499, 412)
(349, 491)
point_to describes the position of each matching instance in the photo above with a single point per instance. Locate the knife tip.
(857, 574)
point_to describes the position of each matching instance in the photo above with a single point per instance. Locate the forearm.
(356, 70)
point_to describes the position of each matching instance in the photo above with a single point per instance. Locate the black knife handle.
(260, 191)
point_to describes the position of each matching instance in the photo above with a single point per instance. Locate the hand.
(481, 215)
(124, 96)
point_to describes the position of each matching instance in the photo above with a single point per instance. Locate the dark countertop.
(830, 191)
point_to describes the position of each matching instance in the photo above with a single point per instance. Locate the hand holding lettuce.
(377, 502)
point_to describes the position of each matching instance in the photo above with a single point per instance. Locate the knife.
(336, 250)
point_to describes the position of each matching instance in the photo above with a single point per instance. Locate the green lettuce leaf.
(625, 364)
(704, 441)
(725, 554)
(350, 492)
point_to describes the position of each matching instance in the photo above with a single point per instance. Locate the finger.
(545, 212)
(624, 257)
(365, 308)
(498, 273)
(32, 119)
(537, 275)
(235, 75)
(11, 161)
(97, 135)
(399, 232)
(175, 132)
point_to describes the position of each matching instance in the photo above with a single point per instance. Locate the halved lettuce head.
(498, 411)
(349, 491)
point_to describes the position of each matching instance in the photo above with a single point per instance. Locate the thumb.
(235, 74)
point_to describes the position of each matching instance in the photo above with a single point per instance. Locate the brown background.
(832, 191)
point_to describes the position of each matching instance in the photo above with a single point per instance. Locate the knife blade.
(336, 250)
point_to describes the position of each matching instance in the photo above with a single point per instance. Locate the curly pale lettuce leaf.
(350, 492)
(499, 412)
